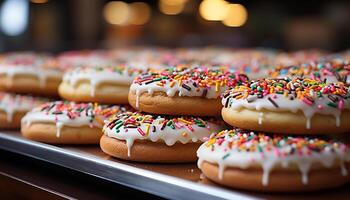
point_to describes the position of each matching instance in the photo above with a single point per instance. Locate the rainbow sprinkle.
(199, 77)
(305, 90)
(281, 145)
(136, 120)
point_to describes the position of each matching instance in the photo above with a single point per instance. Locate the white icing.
(170, 136)
(268, 160)
(41, 73)
(285, 104)
(178, 89)
(260, 119)
(63, 120)
(96, 77)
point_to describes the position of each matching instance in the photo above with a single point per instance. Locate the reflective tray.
(175, 181)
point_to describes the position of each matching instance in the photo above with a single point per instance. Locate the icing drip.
(131, 126)
(117, 74)
(59, 126)
(187, 81)
(11, 71)
(243, 149)
(261, 115)
(295, 95)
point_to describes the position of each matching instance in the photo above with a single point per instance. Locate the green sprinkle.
(225, 156)
(331, 104)
(118, 126)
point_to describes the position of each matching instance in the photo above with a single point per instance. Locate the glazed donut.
(29, 73)
(335, 70)
(262, 162)
(143, 137)
(299, 57)
(292, 106)
(182, 90)
(14, 107)
(64, 122)
(98, 84)
(72, 59)
(254, 63)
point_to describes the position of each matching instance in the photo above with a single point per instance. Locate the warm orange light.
(171, 7)
(236, 15)
(39, 1)
(213, 10)
(117, 12)
(140, 13)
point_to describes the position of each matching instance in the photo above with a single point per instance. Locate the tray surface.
(166, 180)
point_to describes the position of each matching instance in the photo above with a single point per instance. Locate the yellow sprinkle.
(147, 129)
(210, 142)
(172, 84)
(217, 85)
(184, 134)
(160, 84)
(239, 96)
(184, 121)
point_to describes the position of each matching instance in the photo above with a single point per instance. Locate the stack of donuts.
(282, 129)
(26, 80)
(285, 130)
(177, 108)
(92, 90)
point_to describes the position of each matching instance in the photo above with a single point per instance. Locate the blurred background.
(57, 25)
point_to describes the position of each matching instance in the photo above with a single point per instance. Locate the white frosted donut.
(330, 71)
(12, 105)
(72, 59)
(183, 85)
(300, 106)
(274, 162)
(133, 127)
(103, 82)
(22, 72)
(70, 114)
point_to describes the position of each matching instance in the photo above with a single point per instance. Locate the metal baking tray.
(174, 181)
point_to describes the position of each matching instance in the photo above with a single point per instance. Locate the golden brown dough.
(160, 103)
(147, 151)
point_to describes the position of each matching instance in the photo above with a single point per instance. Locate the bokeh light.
(236, 15)
(39, 1)
(171, 7)
(117, 12)
(213, 10)
(140, 13)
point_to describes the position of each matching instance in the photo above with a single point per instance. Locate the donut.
(299, 57)
(29, 73)
(335, 70)
(143, 137)
(63, 122)
(292, 106)
(13, 107)
(182, 90)
(254, 63)
(72, 59)
(282, 163)
(98, 84)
